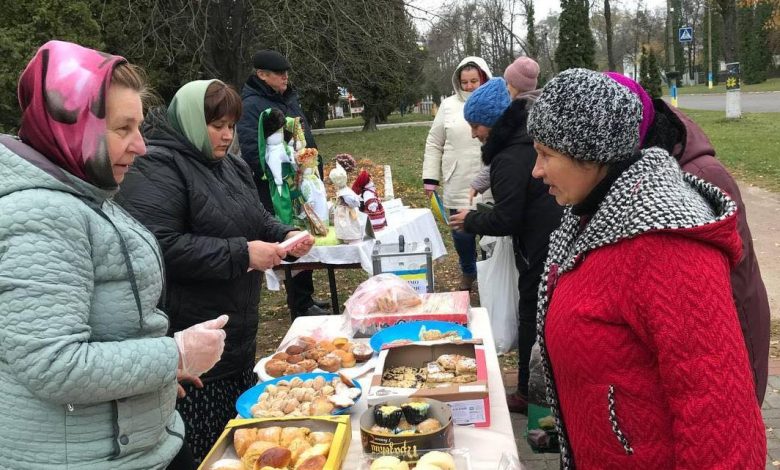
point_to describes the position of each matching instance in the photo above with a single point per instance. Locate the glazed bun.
(316, 462)
(439, 460)
(243, 438)
(276, 457)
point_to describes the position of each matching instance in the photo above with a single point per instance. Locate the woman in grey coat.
(87, 375)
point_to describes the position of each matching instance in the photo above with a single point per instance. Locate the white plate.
(352, 372)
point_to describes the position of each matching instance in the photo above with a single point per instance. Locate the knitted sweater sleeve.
(683, 312)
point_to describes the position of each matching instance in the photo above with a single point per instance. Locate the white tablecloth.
(414, 224)
(485, 445)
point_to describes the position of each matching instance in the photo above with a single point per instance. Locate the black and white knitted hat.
(587, 116)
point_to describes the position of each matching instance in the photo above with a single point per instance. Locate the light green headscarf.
(187, 115)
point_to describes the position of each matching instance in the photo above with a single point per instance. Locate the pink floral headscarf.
(62, 93)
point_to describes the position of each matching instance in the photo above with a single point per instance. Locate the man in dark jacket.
(523, 207)
(268, 87)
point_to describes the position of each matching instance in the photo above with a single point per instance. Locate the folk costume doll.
(371, 204)
(277, 158)
(345, 217)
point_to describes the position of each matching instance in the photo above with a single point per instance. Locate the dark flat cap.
(270, 60)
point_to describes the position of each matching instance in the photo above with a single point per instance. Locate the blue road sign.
(685, 34)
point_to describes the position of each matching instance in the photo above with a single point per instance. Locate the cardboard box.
(338, 425)
(443, 306)
(469, 402)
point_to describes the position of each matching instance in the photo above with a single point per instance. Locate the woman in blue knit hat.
(523, 207)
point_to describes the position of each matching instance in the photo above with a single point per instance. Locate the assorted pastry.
(433, 335)
(278, 448)
(311, 397)
(448, 369)
(410, 418)
(307, 354)
(434, 460)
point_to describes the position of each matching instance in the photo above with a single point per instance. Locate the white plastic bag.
(498, 292)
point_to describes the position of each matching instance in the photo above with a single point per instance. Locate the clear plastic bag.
(383, 293)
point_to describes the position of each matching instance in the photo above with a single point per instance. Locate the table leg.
(334, 294)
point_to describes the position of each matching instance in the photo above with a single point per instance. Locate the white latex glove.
(200, 346)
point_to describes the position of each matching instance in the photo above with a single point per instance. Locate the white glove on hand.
(200, 346)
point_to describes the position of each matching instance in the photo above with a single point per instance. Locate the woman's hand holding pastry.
(263, 255)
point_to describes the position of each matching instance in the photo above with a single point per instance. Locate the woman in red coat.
(644, 360)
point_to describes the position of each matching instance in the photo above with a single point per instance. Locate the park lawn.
(392, 119)
(772, 84)
(747, 146)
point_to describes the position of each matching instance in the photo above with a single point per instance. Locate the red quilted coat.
(649, 367)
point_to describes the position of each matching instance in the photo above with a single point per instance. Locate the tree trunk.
(728, 10)
(608, 23)
(369, 122)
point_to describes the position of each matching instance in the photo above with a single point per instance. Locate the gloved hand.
(200, 346)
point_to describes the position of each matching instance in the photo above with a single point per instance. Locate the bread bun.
(282, 356)
(294, 349)
(295, 358)
(227, 464)
(316, 462)
(294, 369)
(330, 363)
(326, 345)
(389, 462)
(308, 364)
(321, 437)
(291, 433)
(440, 460)
(254, 452)
(275, 367)
(243, 438)
(270, 434)
(298, 446)
(321, 406)
(277, 457)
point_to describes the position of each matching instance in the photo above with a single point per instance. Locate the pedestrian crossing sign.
(685, 34)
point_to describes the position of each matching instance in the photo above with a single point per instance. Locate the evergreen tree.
(753, 41)
(576, 45)
(643, 68)
(533, 48)
(717, 34)
(654, 81)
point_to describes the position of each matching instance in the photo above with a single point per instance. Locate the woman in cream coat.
(452, 158)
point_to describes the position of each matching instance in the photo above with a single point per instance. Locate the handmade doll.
(345, 218)
(371, 204)
(313, 192)
(278, 164)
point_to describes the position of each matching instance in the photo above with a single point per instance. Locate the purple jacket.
(698, 158)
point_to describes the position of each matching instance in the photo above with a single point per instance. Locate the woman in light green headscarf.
(200, 201)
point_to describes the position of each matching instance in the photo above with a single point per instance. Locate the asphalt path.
(751, 102)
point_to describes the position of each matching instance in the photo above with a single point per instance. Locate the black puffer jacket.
(202, 212)
(257, 97)
(523, 207)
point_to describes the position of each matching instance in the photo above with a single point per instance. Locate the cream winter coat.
(452, 158)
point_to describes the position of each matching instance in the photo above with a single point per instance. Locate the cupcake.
(415, 412)
(387, 416)
(362, 352)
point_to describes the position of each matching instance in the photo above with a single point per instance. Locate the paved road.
(751, 102)
(338, 130)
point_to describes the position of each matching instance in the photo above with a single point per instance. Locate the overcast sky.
(543, 8)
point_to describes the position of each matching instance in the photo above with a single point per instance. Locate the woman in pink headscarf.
(87, 375)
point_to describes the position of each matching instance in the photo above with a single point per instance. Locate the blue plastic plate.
(249, 398)
(411, 331)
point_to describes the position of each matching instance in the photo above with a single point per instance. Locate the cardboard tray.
(338, 425)
(469, 402)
